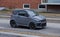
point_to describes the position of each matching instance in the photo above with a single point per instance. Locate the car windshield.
(32, 13)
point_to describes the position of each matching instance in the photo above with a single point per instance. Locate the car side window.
(22, 13)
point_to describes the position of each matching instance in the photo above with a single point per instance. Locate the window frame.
(26, 8)
(44, 1)
(40, 4)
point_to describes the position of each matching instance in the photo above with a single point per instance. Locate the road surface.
(53, 28)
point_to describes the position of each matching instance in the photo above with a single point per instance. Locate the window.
(50, 1)
(22, 13)
(44, 1)
(41, 6)
(53, 1)
(26, 6)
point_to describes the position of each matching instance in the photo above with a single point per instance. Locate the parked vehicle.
(28, 18)
(3, 8)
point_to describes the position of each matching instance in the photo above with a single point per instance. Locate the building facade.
(23, 4)
(33, 4)
(52, 5)
(37, 5)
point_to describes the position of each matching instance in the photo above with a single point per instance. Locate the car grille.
(43, 24)
(43, 20)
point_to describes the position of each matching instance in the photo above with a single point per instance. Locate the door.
(22, 18)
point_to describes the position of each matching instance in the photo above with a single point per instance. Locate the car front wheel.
(32, 26)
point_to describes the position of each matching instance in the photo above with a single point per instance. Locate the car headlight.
(43, 20)
(37, 20)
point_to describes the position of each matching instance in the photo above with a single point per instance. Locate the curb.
(50, 14)
(53, 18)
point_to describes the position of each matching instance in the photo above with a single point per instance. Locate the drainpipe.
(46, 8)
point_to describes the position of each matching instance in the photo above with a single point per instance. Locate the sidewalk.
(53, 18)
(51, 15)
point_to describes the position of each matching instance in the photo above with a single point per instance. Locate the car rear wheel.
(13, 24)
(32, 26)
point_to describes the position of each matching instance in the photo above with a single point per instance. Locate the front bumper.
(40, 25)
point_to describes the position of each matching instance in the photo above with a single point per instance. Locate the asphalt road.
(4, 35)
(53, 28)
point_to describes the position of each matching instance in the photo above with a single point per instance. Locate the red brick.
(19, 3)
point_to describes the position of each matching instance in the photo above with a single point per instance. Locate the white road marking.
(53, 25)
(49, 25)
(23, 35)
(2, 27)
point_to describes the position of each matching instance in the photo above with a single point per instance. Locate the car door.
(26, 19)
(21, 18)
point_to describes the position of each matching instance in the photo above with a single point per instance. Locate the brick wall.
(19, 3)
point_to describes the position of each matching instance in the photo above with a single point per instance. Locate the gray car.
(28, 18)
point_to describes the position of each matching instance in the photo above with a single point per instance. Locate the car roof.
(22, 9)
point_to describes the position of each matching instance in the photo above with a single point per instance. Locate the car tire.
(32, 26)
(13, 24)
(43, 27)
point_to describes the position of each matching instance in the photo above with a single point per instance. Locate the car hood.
(40, 17)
